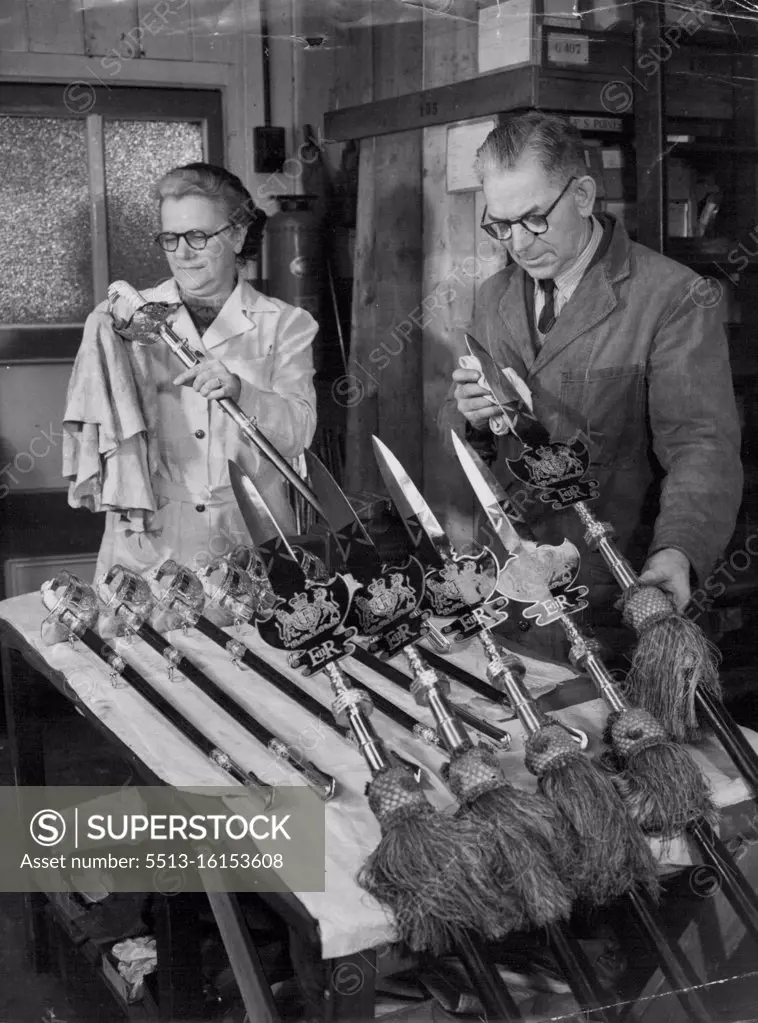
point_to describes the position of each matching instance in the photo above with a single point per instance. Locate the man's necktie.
(547, 316)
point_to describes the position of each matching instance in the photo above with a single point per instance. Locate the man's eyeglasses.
(169, 241)
(501, 230)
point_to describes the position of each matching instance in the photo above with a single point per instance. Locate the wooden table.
(341, 927)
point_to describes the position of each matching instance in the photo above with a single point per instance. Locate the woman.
(257, 350)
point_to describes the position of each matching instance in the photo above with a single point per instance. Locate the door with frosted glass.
(77, 211)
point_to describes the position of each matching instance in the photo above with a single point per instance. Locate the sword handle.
(247, 778)
(427, 692)
(584, 656)
(323, 784)
(597, 537)
(508, 672)
(348, 704)
(247, 425)
(442, 643)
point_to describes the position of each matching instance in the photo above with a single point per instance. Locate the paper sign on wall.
(463, 140)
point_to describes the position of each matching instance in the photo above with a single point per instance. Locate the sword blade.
(356, 547)
(491, 497)
(280, 561)
(425, 531)
(490, 493)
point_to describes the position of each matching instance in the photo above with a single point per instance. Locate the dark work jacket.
(642, 369)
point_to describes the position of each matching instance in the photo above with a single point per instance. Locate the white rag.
(110, 425)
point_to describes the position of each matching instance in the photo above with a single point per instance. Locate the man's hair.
(554, 142)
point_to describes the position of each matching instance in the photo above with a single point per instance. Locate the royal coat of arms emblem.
(558, 470)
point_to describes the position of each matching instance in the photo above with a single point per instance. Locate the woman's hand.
(212, 379)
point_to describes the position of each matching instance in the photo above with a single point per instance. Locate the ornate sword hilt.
(178, 591)
(73, 607)
(350, 708)
(429, 690)
(127, 599)
(231, 586)
(597, 536)
(506, 672)
(584, 655)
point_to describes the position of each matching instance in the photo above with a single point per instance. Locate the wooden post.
(355, 393)
(395, 348)
(383, 390)
(449, 270)
(358, 391)
(650, 120)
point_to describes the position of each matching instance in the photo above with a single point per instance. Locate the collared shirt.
(567, 282)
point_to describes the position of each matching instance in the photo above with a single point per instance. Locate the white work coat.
(267, 344)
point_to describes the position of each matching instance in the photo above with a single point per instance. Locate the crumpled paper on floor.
(136, 958)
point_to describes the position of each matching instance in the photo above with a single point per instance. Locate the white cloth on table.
(349, 920)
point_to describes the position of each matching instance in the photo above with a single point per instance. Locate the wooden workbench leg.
(177, 941)
(28, 766)
(243, 957)
(351, 995)
(21, 685)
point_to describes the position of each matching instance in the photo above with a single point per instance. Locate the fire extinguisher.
(296, 271)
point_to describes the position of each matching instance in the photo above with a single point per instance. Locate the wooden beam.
(551, 86)
(62, 67)
(475, 97)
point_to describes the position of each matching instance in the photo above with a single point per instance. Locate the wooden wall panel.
(15, 33)
(449, 272)
(109, 27)
(55, 26)
(352, 67)
(167, 37)
(218, 30)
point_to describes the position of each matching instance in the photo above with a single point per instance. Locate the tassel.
(663, 788)
(429, 870)
(672, 660)
(610, 853)
(521, 833)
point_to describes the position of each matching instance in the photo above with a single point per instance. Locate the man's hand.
(473, 400)
(669, 570)
(212, 379)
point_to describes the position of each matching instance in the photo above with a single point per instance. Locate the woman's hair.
(222, 186)
(553, 140)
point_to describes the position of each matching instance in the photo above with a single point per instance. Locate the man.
(612, 342)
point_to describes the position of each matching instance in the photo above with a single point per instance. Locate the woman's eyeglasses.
(536, 223)
(169, 241)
